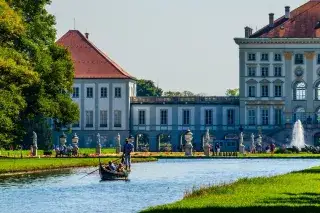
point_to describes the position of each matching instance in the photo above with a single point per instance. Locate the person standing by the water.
(127, 149)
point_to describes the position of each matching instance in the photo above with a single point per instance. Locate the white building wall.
(158, 118)
(120, 104)
(135, 117)
(89, 105)
(192, 118)
(104, 105)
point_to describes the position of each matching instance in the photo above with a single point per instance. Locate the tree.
(178, 94)
(33, 41)
(148, 88)
(232, 92)
(16, 74)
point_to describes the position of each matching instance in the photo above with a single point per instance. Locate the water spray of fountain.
(298, 136)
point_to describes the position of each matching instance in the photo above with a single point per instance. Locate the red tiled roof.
(89, 61)
(301, 24)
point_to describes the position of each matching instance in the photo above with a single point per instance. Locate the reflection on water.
(150, 184)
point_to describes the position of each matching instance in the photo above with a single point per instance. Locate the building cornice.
(240, 41)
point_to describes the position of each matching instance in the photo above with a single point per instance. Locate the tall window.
(75, 93)
(264, 71)
(277, 57)
(264, 57)
(103, 118)
(117, 118)
(164, 117)
(231, 117)
(277, 91)
(142, 117)
(252, 71)
(252, 117)
(252, 91)
(89, 118)
(317, 92)
(186, 117)
(104, 92)
(265, 116)
(278, 71)
(300, 114)
(251, 57)
(299, 92)
(264, 91)
(117, 92)
(208, 117)
(89, 92)
(278, 117)
(318, 59)
(298, 59)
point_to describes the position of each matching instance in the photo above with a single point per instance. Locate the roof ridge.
(265, 29)
(107, 58)
(304, 10)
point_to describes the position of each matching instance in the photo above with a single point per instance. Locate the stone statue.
(206, 144)
(98, 149)
(118, 144)
(259, 143)
(35, 144)
(188, 146)
(253, 146)
(241, 146)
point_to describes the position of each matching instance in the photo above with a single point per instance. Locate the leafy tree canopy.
(36, 75)
(232, 92)
(148, 88)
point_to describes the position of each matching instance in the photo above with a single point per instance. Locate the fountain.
(298, 136)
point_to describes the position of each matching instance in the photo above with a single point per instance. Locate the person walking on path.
(127, 149)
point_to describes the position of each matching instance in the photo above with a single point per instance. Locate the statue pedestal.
(35, 152)
(188, 149)
(206, 149)
(118, 149)
(242, 149)
(98, 150)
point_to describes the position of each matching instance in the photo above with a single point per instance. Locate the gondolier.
(127, 149)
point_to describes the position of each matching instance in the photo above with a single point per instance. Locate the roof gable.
(301, 24)
(88, 60)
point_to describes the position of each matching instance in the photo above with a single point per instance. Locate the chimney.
(87, 35)
(247, 32)
(287, 12)
(271, 19)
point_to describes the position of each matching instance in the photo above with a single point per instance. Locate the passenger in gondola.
(110, 166)
(120, 168)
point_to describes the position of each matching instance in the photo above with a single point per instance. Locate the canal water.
(150, 184)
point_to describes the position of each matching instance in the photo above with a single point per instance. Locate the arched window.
(299, 91)
(300, 114)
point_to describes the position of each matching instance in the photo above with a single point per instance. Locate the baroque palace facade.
(279, 84)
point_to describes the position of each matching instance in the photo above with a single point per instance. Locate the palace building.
(279, 81)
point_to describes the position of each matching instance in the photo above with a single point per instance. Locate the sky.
(179, 44)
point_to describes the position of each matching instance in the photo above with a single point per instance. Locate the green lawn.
(26, 153)
(34, 164)
(294, 192)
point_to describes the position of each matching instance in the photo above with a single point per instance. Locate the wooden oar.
(97, 169)
(89, 173)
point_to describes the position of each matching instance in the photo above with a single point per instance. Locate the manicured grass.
(293, 155)
(26, 153)
(294, 192)
(34, 164)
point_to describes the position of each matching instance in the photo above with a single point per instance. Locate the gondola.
(112, 175)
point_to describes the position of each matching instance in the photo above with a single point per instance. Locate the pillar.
(288, 88)
(309, 79)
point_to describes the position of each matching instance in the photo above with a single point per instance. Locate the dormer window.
(264, 57)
